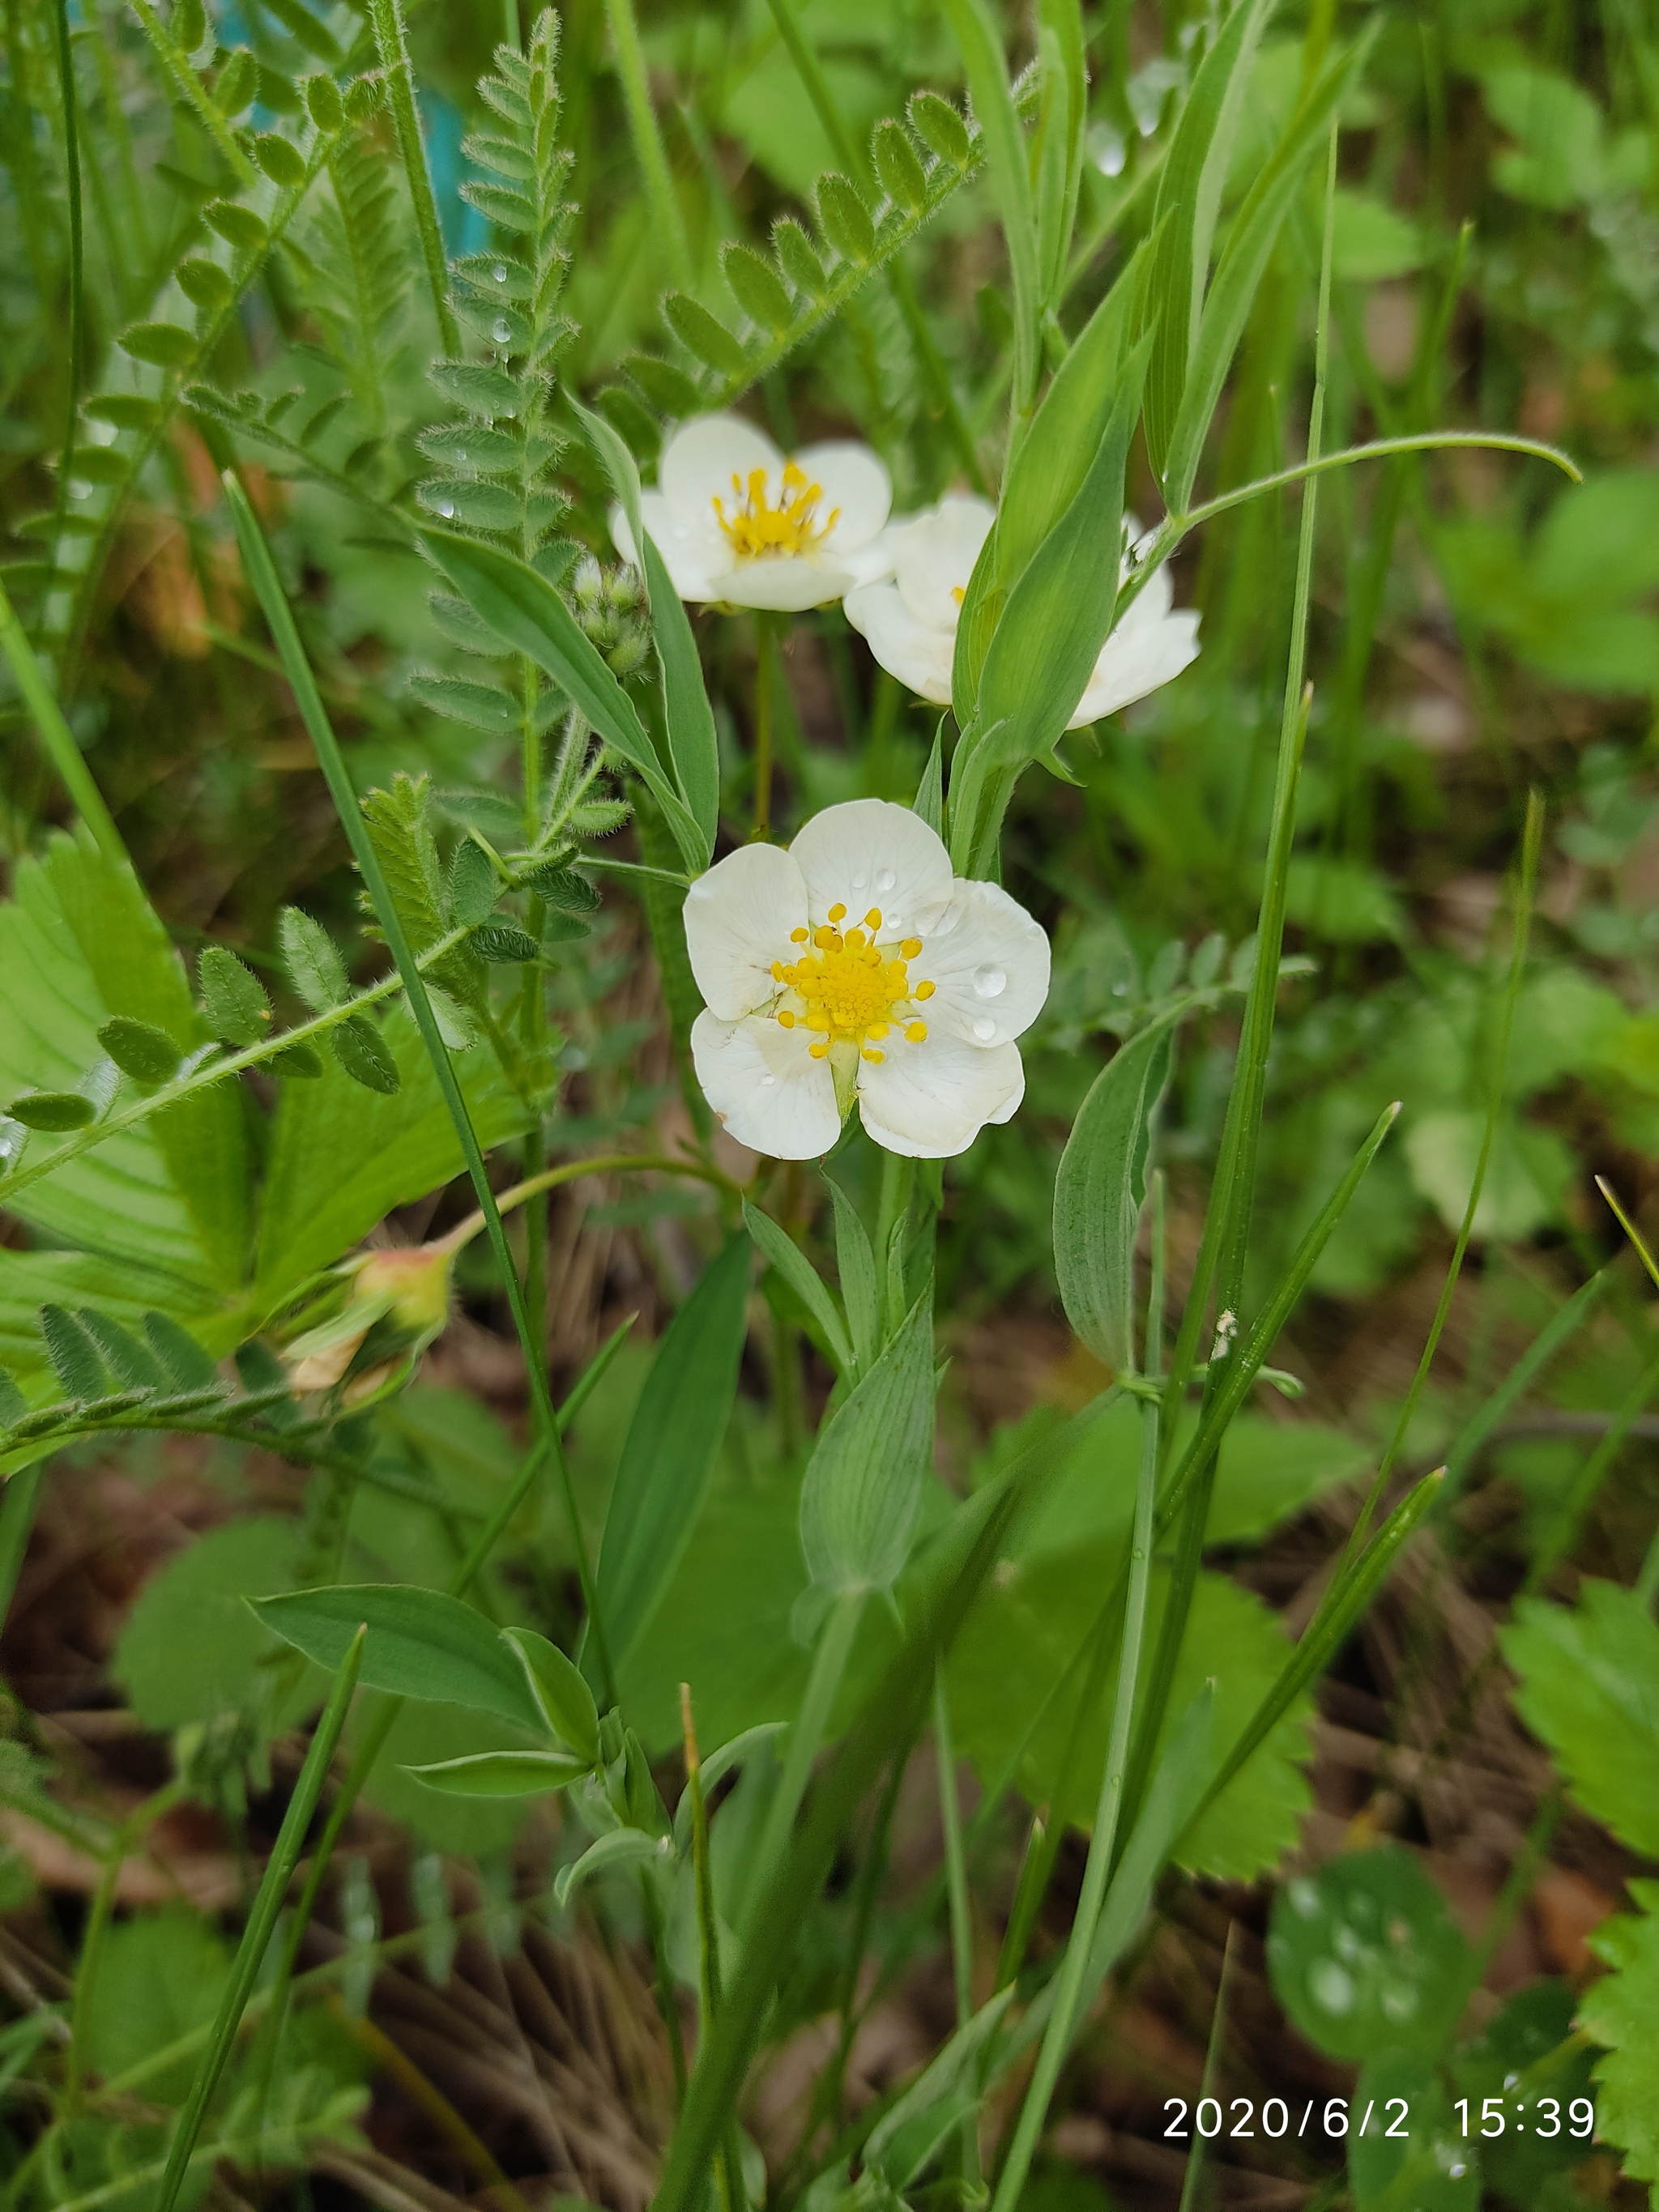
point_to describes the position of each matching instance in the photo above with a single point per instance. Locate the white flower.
(911, 623)
(734, 521)
(911, 1005)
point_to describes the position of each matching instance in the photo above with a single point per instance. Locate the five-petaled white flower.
(911, 623)
(854, 965)
(735, 521)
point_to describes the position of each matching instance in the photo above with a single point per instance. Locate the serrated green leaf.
(1099, 1191)
(1621, 2011)
(358, 1049)
(562, 889)
(420, 1644)
(313, 961)
(1589, 1688)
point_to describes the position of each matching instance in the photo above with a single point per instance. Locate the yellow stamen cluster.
(757, 530)
(852, 987)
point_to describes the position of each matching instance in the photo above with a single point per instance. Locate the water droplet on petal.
(985, 1031)
(885, 879)
(990, 981)
(501, 330)
(765, 1080)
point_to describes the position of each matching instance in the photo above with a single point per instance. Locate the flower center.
(852, 988)
(757, 531)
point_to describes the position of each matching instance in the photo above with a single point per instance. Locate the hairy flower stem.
(392, 43)
(666, 220)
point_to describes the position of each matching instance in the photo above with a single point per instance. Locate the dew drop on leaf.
(1330, 1987)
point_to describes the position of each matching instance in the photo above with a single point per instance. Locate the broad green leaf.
(1189, 196)
(79, 944)
(501, 1773)
(1370, 242)
(1367, 1959)
(693, 746)
(864, 1482)
(1528, 1174)
(1099, 1191)
(671, 1441)
(1621, 2012)
(527, 613)
(341, 1157)
(780, 1251)
(556, 1683)
(1238, 274)
(159, 1976)
(191, 1650)
(421, 1643)
(1589, 1689)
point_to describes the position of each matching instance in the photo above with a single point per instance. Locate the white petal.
(870, 853)
(784, 583)
(914, 651)
(689, 555)
(738, 920)
(989, 961)
(930, 1101)
(855, 482)
(936, 557)
(1139, 657)
(700, 460)
(765, 1086)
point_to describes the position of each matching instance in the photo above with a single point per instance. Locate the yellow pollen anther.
(924, 991)
(826, 939)
(872, 919)
(911, 947)
(854, 941)
(877, 1030)
(757, 531)
(849, 993)
(800, 936)
(958, 592)
(818, 1051)
(786, 1020)
(916, 1031)
(777, 971)
(838, 913)
(871, 1054)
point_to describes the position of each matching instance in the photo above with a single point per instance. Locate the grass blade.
(62, 751)
(262, 574)
(256, 1936)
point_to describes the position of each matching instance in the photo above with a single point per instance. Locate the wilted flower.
(735, 521)
(855, 966)
(911, 623)
(399, 1300)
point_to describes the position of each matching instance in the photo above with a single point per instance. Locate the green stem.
(1189, 2180)
(666, 220)
(18, 1502)
(728, 2170)
(54, 734)
(97, 1929)
(177, 64)
(955, 1890)
(765, 674)
(256, 558)
(806, 1736)
(392, 43)
(1101, 1842)
(256, 1936)
(72, 155)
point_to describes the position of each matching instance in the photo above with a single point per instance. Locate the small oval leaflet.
(361, 1052)
(139, 1049)
(501, 941)
(232, 997)
(53, 1111)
